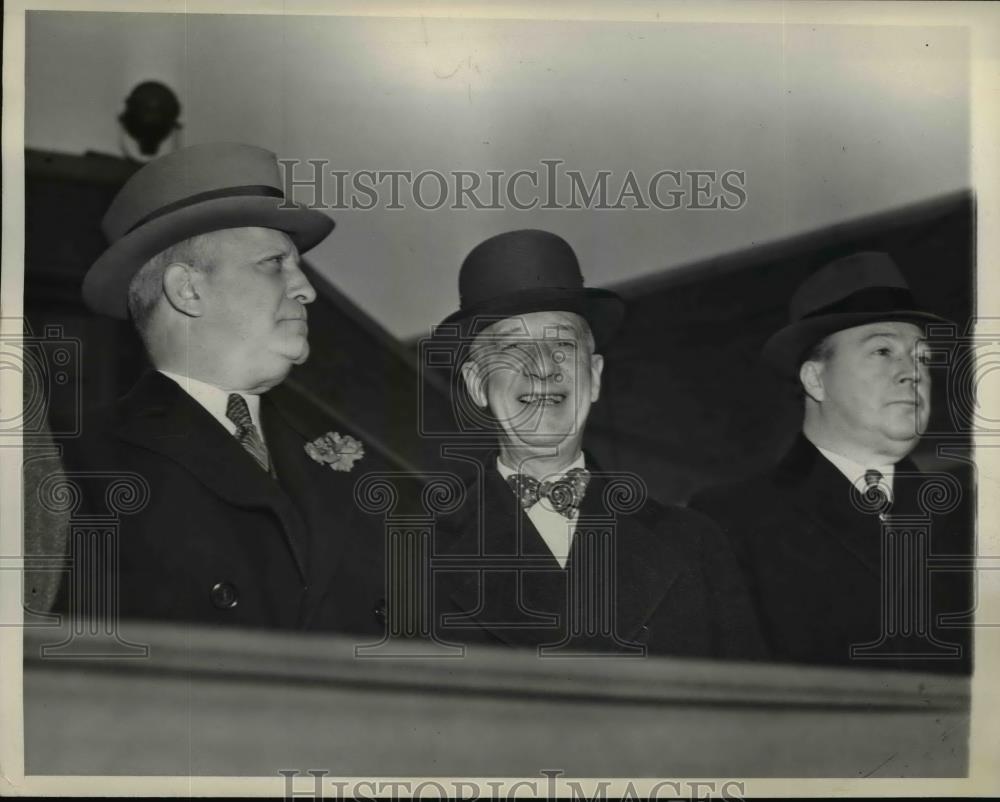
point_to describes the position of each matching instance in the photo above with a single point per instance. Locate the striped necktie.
(246, 433)
(875, 491)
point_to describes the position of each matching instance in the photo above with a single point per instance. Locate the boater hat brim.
(208, 187)
(105, 287)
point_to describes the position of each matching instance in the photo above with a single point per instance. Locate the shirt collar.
(554, 528)
(215, 400)
(855, 471)
(579, 462)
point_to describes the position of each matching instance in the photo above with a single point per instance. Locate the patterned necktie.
(246, 433)
(564, 495)
(875, 493)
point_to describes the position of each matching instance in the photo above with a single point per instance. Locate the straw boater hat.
(862, 288)
(530, 271)
(189, 192)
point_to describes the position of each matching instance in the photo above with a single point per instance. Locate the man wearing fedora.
(547, 551)
(811, 532)
(245, 523)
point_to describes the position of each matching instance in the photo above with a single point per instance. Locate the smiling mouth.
(542, 399)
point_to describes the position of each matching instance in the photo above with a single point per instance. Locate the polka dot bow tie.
(564, 495)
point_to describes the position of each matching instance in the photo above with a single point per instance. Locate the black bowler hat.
(192, 191)
(862, 288)
(530, 271)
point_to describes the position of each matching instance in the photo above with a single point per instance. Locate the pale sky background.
(830, 123)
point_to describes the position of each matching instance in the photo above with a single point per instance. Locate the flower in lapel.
(339, 451)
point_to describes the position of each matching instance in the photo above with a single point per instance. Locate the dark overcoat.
(218, 540)
(639, 574)
(814, 552)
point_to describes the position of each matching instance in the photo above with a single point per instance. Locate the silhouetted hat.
(192, 191)
(530, 271)
(862, 288)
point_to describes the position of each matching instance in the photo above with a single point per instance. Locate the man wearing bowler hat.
(812, 533)
(249, 521)
(547, 551)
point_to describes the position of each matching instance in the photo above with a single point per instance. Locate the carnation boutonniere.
(339, 451)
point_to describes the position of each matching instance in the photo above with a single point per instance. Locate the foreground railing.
(222, 702)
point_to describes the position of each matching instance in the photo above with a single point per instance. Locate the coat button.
(224, 595)
(380, 611)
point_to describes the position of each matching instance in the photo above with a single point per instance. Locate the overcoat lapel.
(820, 492)
(906, 488)
(533, 588)
(160, 416)
(500, 536)
(647, 564)
(298, 475)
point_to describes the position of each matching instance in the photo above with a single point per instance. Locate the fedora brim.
(105, 287)
(603, 310)
(786, 349)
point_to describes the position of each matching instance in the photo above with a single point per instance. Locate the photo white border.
(983, 21)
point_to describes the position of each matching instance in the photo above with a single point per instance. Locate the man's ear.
(181, 287)
(596, 367)
(475, 382)
(811, 377)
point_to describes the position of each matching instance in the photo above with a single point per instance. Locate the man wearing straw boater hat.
(546, 551)
(246, 524)
(810, 531)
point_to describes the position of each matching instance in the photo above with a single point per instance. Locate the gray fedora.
(865, 287)
(192, 191)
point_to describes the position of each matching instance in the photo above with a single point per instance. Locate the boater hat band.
(258, 190)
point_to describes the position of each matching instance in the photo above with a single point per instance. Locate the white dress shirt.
(855, 472)
(215, 400)
(555, 528)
